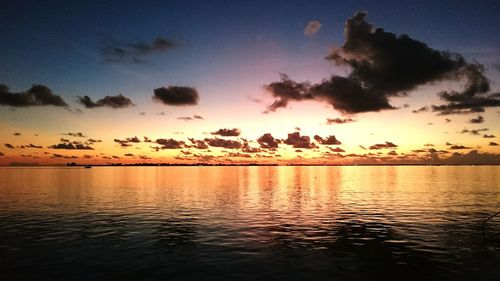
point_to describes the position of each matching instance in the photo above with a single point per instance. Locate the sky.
(269, 82)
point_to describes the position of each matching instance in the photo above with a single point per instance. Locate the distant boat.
(88, 167)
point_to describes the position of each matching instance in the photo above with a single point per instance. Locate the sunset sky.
(305, 82)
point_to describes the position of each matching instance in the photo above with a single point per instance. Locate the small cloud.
(17, 134)
(486, 136)
(8, 145)
(176, 95)
(475, 132)
(422, 109)
(135, 52)
(312, 28)
(385, 145)
(268, 141)
(78, 135)
(477, 120)
(331, 140)
(298, 141)
(71, 146)
(227, 132)
(115, 102)
(330, 121)
(492, 143)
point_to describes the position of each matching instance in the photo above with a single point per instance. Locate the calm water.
(248, 223)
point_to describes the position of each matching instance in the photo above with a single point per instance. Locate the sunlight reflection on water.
(346, 223)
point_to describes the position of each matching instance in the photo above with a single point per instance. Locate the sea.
(250, 223)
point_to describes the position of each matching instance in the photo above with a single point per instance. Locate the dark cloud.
(230, 144)
(475, 132)
(336, 149)
(17, 134)
(188, 118)
(458, 147)
(199, 144)
(331, 140)
(8, 145)
(118, 101)
(227, 132)
(128, 154)
(486, 136)
(330, 121)
(134, 52)
(312, 28)
(78, 135)
(71, 146)
(385, 145)
(447, 120)
(492, 143)
(1, 154)
(422, 109)
(298, 141)
(37, 95)
(384, 65)
(477, 120)
(126, 142)
(92, 141)
(170, 143)
(267, 141)
(176, 95)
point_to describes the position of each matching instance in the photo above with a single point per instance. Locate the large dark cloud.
(134, 52)
(176, 95)
(384, 65)
(118, 101)
(37, 95)
(227, 132)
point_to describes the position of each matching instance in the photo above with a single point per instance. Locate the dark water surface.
(248, 223)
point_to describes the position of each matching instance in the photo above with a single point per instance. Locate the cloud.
(230, 144)
(385, 145)
(331, 140)
(422, 109)
(267, 141)
(383, 65)
(1, 154)
(17, 134)
(71, 146)
(199, 144)
(126, 142)
(312, 28)
(492, 143)
(170, 143)
(135, 52)
(118, 101)
(176, 95)
(297, 141)
(227, 132)
(8, 145)
(128, 154)
(458, 147)
(78, 135)
(475, 132)
(486, 136)
(37, 95)
(188, 118)
(477, 120)
(336, 149)
(330, 121)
